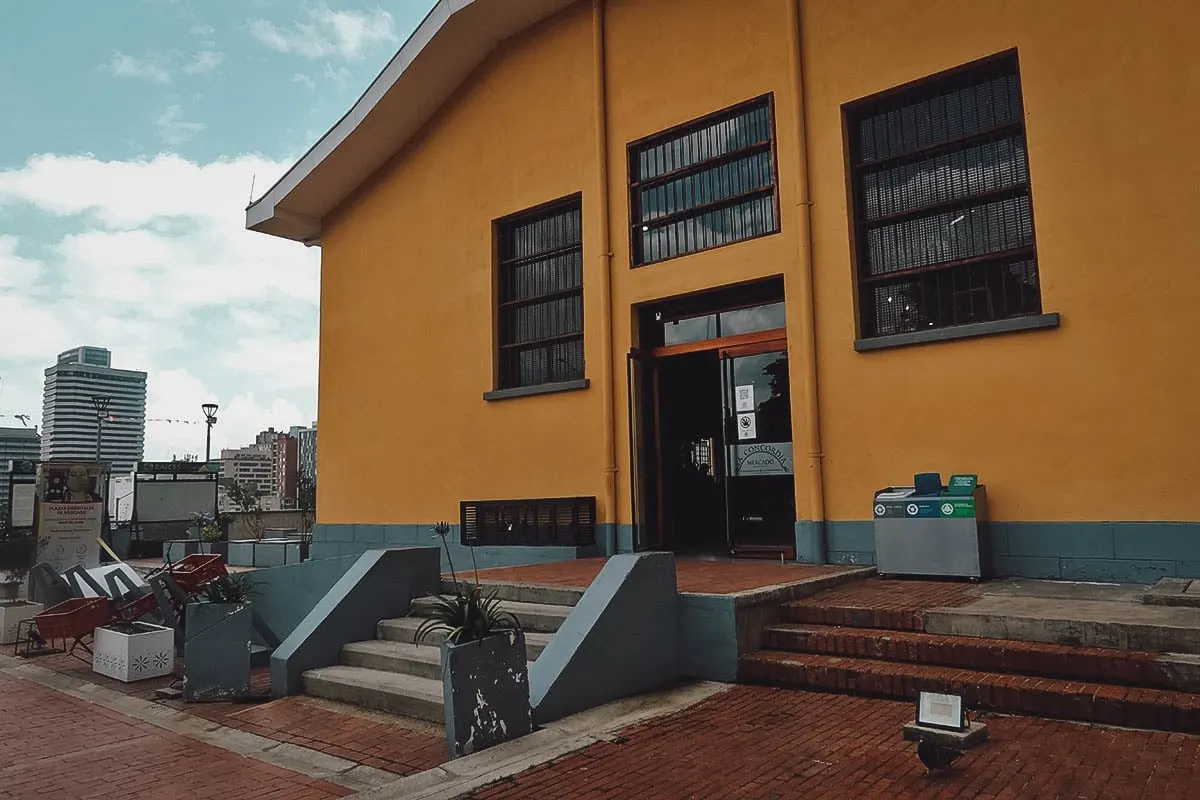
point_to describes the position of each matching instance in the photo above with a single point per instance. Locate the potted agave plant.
(216, 645)
(485, 677)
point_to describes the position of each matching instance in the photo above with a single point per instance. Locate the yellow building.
(721, 270)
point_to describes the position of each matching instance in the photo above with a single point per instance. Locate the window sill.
(530, 391)
(1014, 325)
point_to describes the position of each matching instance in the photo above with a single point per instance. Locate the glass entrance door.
(759, 486)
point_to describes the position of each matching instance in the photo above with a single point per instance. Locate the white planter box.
(10, 615)
(132, 657)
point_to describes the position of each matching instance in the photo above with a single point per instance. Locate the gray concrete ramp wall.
(620, 639)
(379, 585)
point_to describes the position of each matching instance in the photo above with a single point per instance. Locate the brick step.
(815, 612)
(1178, 672)
(1153, 709)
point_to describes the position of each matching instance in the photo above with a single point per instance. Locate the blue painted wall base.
(1119, 552)
(333, 540)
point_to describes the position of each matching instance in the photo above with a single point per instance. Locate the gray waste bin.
(942, 534)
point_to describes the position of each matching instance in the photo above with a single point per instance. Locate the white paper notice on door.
(747, 426)
(745, 397)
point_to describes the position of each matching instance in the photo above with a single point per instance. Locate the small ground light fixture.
(943, 711)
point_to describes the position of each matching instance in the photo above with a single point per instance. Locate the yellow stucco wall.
(1095, 420)
(406, 300)
(1088, 422)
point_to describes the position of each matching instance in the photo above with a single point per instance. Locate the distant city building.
(306, 439)
(16, 444)
(249, 466)
(69, 413)
(283, 471)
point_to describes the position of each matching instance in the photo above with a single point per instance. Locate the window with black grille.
(545, 522)
(943, 214)
(705, 184)
(540, 285)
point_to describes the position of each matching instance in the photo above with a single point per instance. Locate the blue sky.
(132, 133)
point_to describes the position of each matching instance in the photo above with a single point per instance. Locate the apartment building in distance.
(70, 418)
(270, 466)
(16, 444)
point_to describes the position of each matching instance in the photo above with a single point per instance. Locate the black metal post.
(101, 405)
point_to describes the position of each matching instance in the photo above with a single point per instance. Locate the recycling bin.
(940, 534)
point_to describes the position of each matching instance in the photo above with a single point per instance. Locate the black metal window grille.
(943, 211)
(547, 522)
(705, 184)
(541, 296)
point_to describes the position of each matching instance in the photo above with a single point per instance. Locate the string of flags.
(25, 419)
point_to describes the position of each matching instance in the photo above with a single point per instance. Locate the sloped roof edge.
(453, 39)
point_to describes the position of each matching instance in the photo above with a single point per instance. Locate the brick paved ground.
(691, 575)
(760, 743)
(388, 743)
(369, 739)
(53, 745)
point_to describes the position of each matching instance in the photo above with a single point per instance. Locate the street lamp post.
(210, 419)
(101, 406)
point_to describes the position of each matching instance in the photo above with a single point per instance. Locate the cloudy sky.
(132, 134)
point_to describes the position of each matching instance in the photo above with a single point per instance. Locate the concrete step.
(1121, 625)
(424, 660)
(393, 692)
(1151, 709)
(525, 593)
(537, 617)
(404, 629)
(1173, 671)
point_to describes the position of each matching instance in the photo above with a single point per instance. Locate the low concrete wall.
(1118, 552)
(619, 640)
(240, 527)
(331, 540)
(285, 595)
(715, 629)
(380, 584)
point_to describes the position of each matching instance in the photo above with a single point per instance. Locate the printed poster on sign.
(747, 426)
(744, 395)
(70, 532)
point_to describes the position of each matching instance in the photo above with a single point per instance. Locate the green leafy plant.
(236, 589)
(467, 615)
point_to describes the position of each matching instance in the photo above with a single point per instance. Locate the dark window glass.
(753, 319)
(692, 329)
(709, 183)
(943, 212)
(541, 296)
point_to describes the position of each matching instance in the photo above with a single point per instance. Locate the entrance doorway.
(710, 426)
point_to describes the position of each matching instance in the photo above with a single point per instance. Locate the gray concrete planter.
(216, 548)
(216, 651)
(263, 553)
(486, 685)
(177, 549)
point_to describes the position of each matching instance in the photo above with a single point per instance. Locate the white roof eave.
(452, 40)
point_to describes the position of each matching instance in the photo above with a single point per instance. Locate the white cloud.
(325, 33)
(204, 61)
(149, 68)
(340, 77)
(173, 128)
(203, 30)
(305, 80)
(157, 266)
